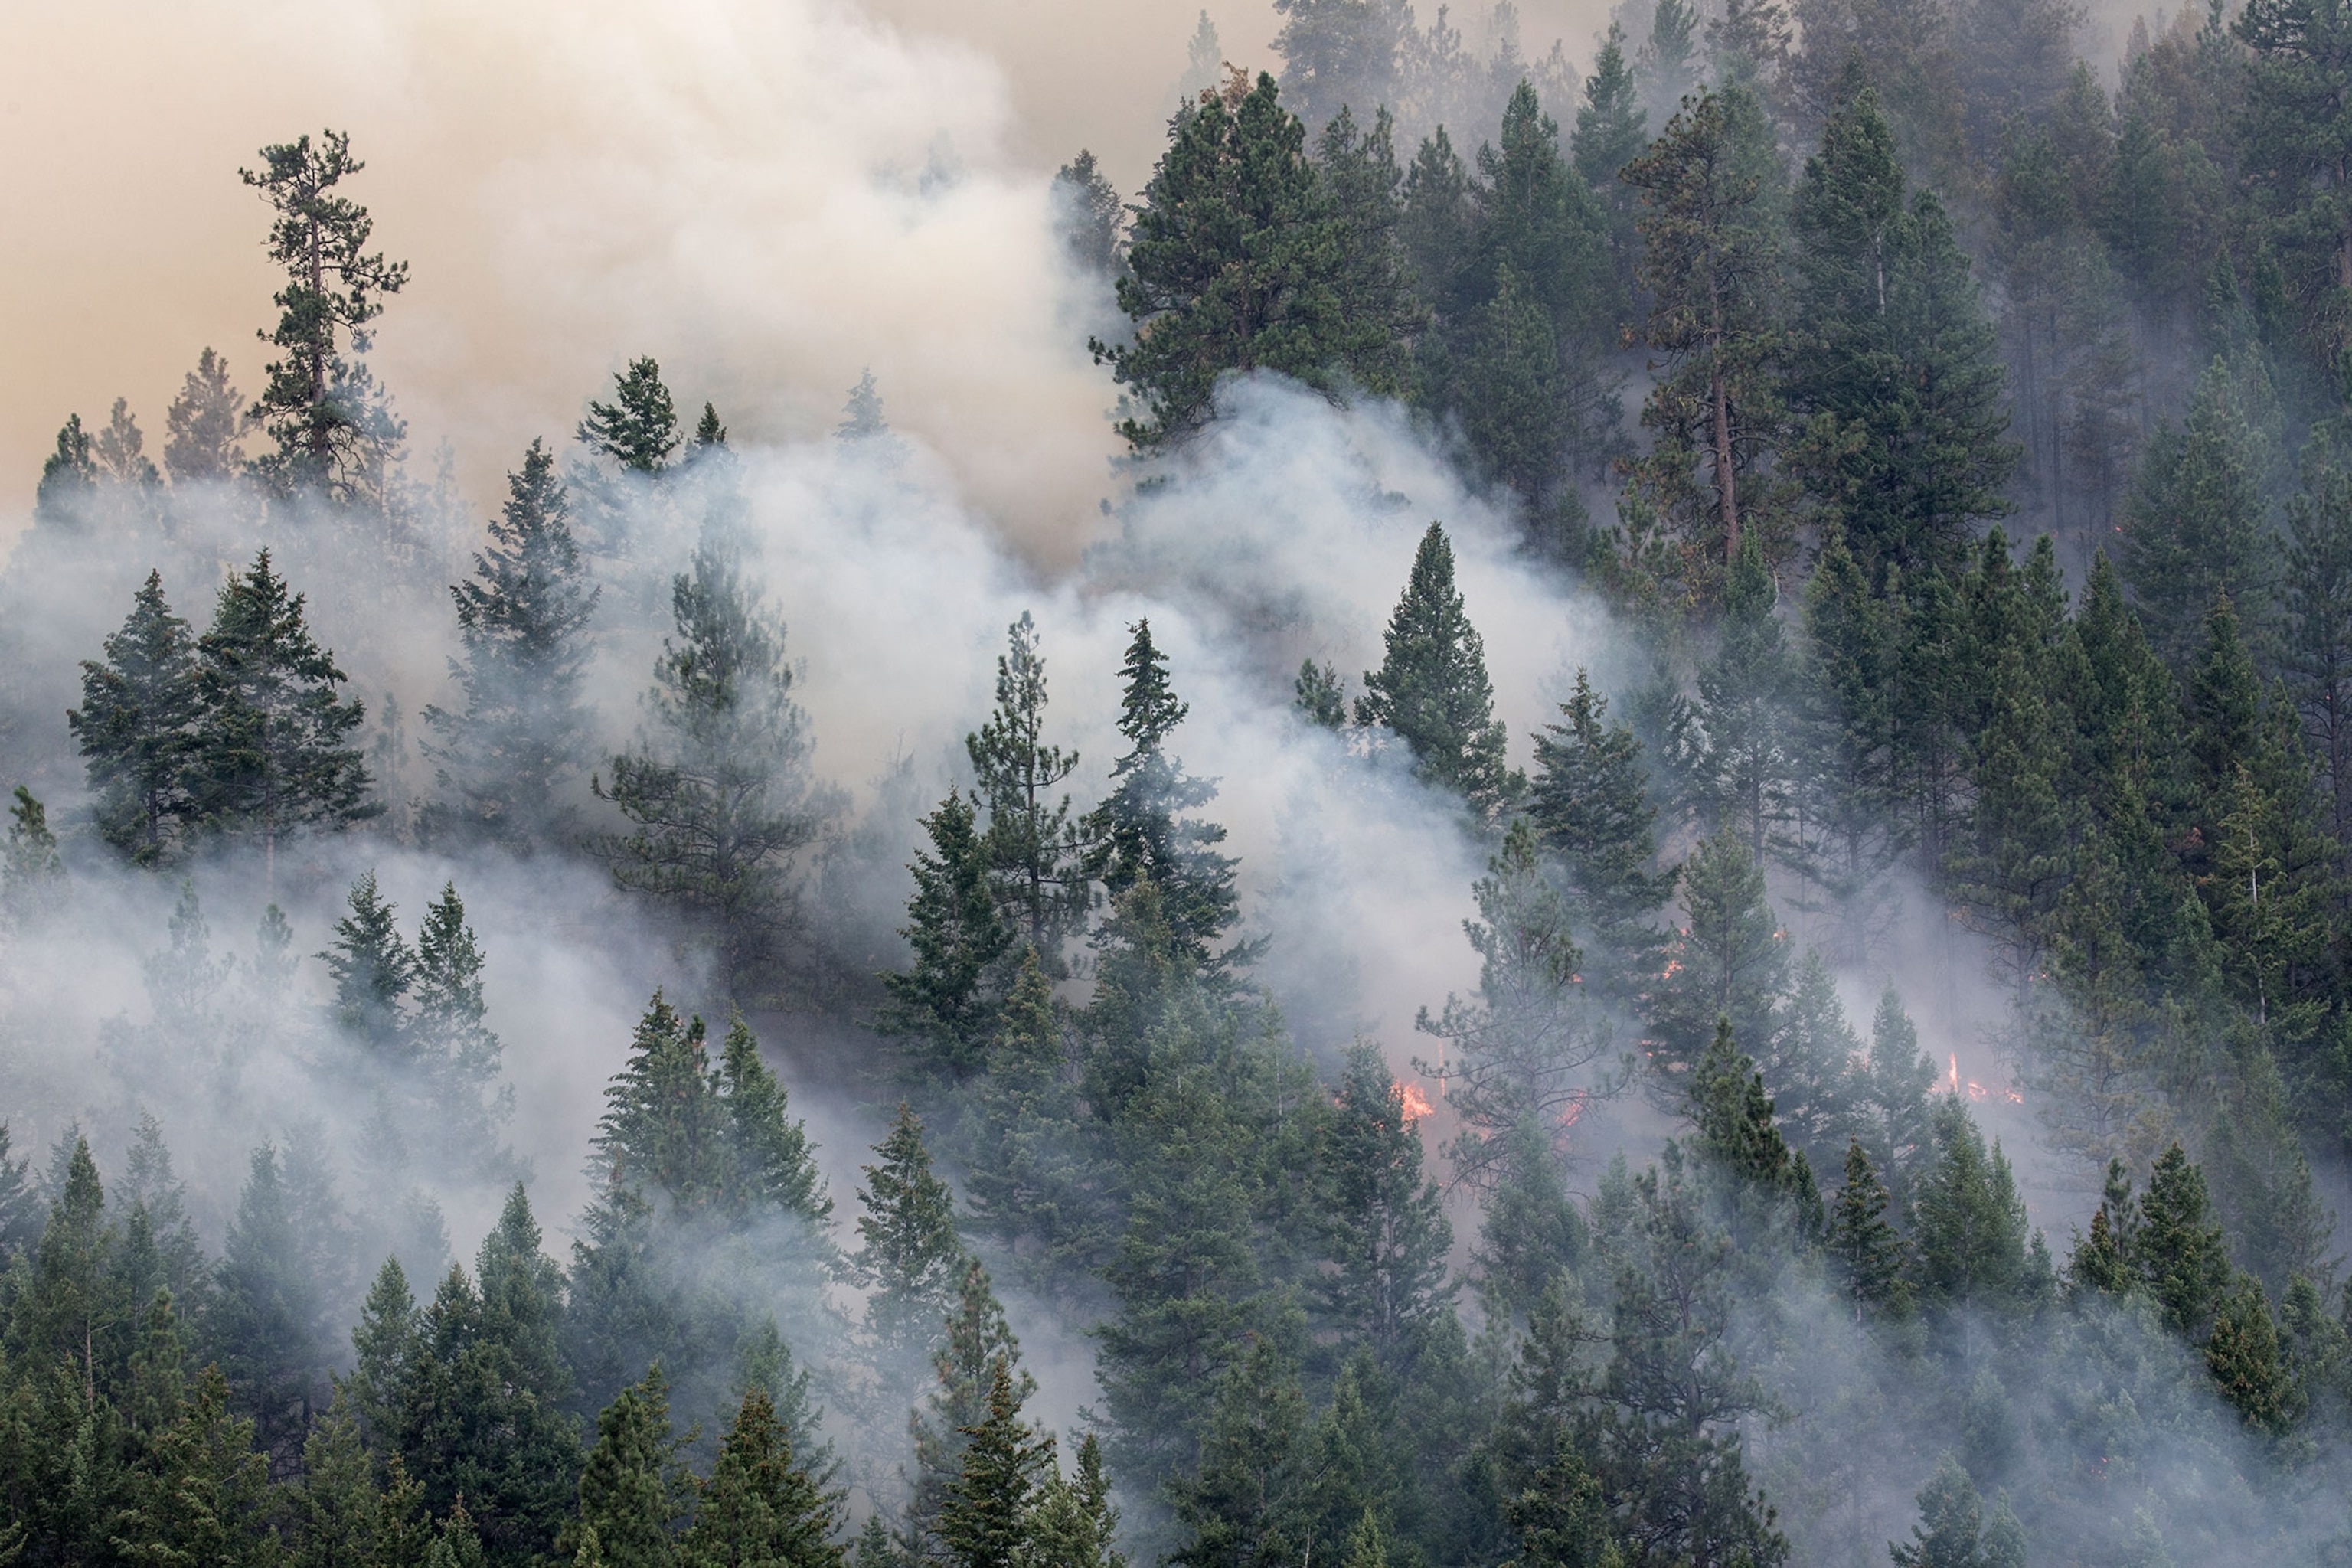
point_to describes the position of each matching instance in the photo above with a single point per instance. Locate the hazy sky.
(736, 187)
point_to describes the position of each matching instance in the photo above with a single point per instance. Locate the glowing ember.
(1956, 1073)
(1575, 1109)
(1976, 1091)
(1415, 1103)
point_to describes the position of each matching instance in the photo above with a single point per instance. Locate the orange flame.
(1575, 1109)
(1416, 1104)
(1955, 1080)
(1976, 1091)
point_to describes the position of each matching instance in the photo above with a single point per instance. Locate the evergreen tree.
(271, 1326)
(1432, 688)
(1531, 1231)
(946, 999)
(1590, 805)
(1238, 261)
(719, 796)
(1867, 1251)
(333, 431)
(2194, 529)
(1245, 1504)
(270, 754)
(201, 426)
(638, 429)
(908, 1259)
(631, 1487)
(761, 1505)
(1519, 1054)
(1320, 695)
(1091, 216)
(1074, 1524)
(68, 484)
(2316, 597)
(1710, 190)
(1731, 961)
(1972, 1237)
(986, 1523)
(134, 728)
(977, 1343)
(2243, 1354)
(2174, 1251)
(1386, 1225)
(2298, 133)
(1851, 831)
(1357, 171)
(1742, 767)
(1341, 52)
(1612, 129)
(1951, 1529)
(1901, 377)
(1031, 852)
(1032, 1182)
(1137, 833)
(508, 761)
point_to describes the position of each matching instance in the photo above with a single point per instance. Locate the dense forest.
(1905, 463)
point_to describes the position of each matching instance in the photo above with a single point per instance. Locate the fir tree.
(1031, 853)
(946, 999)
(134, 728)
(1868, 1250)
(977, 1343)
(1091, 216)
(909, 1259)
(1743, 769)
(986, 1522)
(638, 429)
(2194, 529)
(2316, 595)
(333, 428)
(271, 754)
(2176, 1253)
(1138, 834)
(1590, 805)
(1847, 761)
(1319, 695)
(630, 1488)
(1731, 961)
(2298, 131)
(1385, 1224)
(1432, 688)
(719, 796)
(1950, 1533)
(508, 761)
(761, 1505)
(1971, 1232)
(201, 444)
(1612, 129)
(1342, 52)
(2243, 1354)
(68, 484)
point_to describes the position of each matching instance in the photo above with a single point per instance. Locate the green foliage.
(1032, 851)
(334, 432)
(2194, 529)
(638, 429)
(945, 1000)
(760, 1504)
(1590, 805)
(1239, 261)
(134, 729)
(508, 761)
(1432, 688)
(201, 426)
(632, 1487)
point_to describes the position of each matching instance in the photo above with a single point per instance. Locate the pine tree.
(986, 1522)
(510, 759)
(977, 1342)
(1385, 1225)
(271, 1324)
(1900, 374)
(1519, 1054)
(761, 1505)
(1031, 853)
(638, 429)
(1743, 768)
(2297, 133)
(2194, 529)
(1971, 1232)
(32, 875)
(1590, 805)
(2316, 597)
(1031, 1182)
(1238, 262)
(1612, 129)
(1432, 688)
(1710, 193)
(122, 461)
(1667, 63)
(2175, 1252)
(133, 728)
(1951, 1523)
(333, 431)
(630, 1488)
(1319, 695)
(1245, 1505)
(1091, 216)
(1074, 1524)
(946, 1000)
(271, 754)
(1139, 833)
(1531, 1230)
(908, 1259)
(1341, 52)
(1358, 173)
(69, 485)
(2243, 1354)
(1731, 961)
(719, 796)
(201, 444)
(1868, 1250)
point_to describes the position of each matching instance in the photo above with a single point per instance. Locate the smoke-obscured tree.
(1530, 1229)
(1521, 1052)
(707, 1224)
(1141, 833)
(1667, 1451)
(909, 1262)
(123, 465)
(638, 429)
(1386, 1227)
(1972, 1243)
(719, 793)
(272, 1329)
(1729, 962)
(1342, 54)
(271, 754)
(1591, 804)
(1432, 690)
(987, 1517)
(1849, 827)
(1033, 855)
(2298, 133)
(334, 431)
(1896, 367)
(2316, 593)
(1091, 215)
(1238, 261)
(1866, 1251)
(509, 760)
(1246, 1504)
(134, 729)
(68, 483)
(200, 442)
(2194, 529)
(1355, 165)
(1711, 196)
(1742, 769)
(1032, 1183)
(1612, 130)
